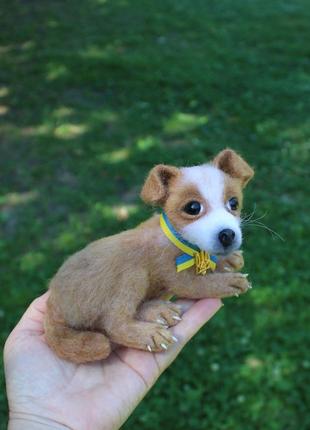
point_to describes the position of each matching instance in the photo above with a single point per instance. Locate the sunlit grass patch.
(115, 156)
(181, 122)
(70, 130)
(15, 199)
(4, 91)
(146, 143)
(55, 71)
(63, 112)
(4, 110)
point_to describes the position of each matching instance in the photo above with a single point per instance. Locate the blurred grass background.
(93, 94)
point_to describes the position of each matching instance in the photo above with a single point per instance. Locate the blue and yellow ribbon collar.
(192, 254)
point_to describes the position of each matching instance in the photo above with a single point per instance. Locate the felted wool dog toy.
(188, 251)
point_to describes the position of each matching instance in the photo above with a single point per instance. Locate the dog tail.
(71, 344)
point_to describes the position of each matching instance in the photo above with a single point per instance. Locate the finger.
(193, 319)
(32, 320)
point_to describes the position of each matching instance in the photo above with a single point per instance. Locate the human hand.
(45, 391)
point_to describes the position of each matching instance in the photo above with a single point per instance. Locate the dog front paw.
(233, 262)
(237, 283)
(228, 284)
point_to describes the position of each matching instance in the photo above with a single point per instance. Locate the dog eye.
(232, 204)
(192, 208)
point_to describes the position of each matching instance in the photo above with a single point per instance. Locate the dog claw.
(164, 346)
(177, 318)
(236, 295)
(250, 286)
(161, 321)
(227, 269)
(149, 348)
(175, 339)
(244, 275)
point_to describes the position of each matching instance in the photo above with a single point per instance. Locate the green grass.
(93, 94)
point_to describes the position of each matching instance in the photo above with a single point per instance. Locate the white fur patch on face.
(209, 181)
(204, 232)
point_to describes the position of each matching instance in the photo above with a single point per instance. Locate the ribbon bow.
(192, 254)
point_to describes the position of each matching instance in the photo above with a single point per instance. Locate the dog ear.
(234, 165)
(156, 187)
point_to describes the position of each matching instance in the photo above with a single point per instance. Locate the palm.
(85, 396)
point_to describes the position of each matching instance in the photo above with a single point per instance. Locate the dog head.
(202, 202)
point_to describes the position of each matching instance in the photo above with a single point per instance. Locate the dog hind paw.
(162, 312)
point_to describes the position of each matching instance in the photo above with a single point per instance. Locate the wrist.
(22, 421)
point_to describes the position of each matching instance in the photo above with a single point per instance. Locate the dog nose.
(226, 237)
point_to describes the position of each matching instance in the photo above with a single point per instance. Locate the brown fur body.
(110, 293)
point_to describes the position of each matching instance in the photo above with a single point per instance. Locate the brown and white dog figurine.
(111, 292)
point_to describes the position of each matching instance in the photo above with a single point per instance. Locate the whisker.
(271, 231)
(260, 217)
(248, 220)
(262, 225)
(248, 217)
